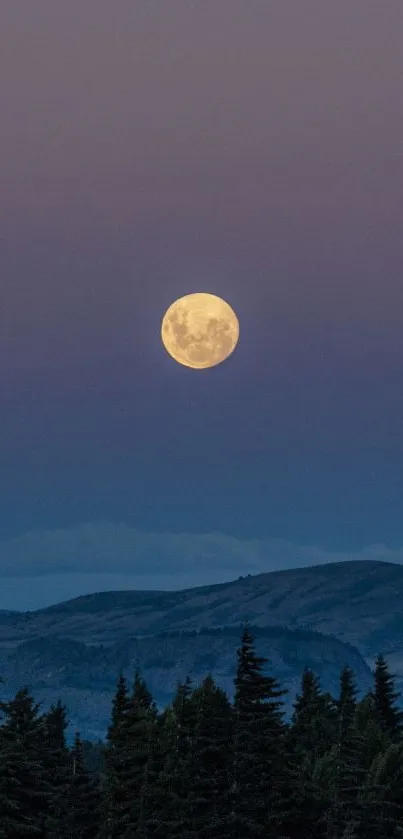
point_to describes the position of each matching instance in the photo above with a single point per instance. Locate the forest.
(206, 767)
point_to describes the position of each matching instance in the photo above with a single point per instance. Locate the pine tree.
(116, 802)
(389, 716)
(308, 741)
(56, 762)
(127, 762)
(374, 740)
(23, 789)
(120, 707)
(346, 760)
(209, 765)
(173, 781)
(139, 732)
(151, 802)
(157, 793)
(314, 719)
(184, 719)
(258, 746)
(82, 796)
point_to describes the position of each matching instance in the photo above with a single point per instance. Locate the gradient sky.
(151, 149)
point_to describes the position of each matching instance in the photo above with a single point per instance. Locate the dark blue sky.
(253, 151)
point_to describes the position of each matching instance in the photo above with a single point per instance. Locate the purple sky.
(253, 149)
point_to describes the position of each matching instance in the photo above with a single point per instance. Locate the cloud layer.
(110, 548)
(46, 567)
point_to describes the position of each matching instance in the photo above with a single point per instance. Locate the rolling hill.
(321, 616)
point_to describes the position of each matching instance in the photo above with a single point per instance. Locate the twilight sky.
(151, 149)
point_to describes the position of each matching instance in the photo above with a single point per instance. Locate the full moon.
(200, 330)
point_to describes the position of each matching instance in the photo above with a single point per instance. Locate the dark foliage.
(208, 768)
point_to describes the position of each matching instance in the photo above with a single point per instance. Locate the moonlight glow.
(200, 330)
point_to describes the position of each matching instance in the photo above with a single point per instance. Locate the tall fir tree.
(374, 740)
(151, 801)
(115, 802)
(83, 796)
(129, 744)
(388, 714)
(173, 782)
(24, 798)
(346, 759)
(57, 770)
(139, 737)
(209, 765)
(309, 738)
(159, 810)
(259, 752)
(314, 718)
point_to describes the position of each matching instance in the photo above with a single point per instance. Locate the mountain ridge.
(370, 563)
(322, 616)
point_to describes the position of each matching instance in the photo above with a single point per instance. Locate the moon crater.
(200, 330)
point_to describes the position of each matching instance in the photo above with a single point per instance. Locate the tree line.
(208, 768)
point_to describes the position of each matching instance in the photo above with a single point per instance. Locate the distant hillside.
(85, 676)
(356, 606)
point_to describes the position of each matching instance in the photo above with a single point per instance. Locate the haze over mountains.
(44, 567)
(321, 616)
